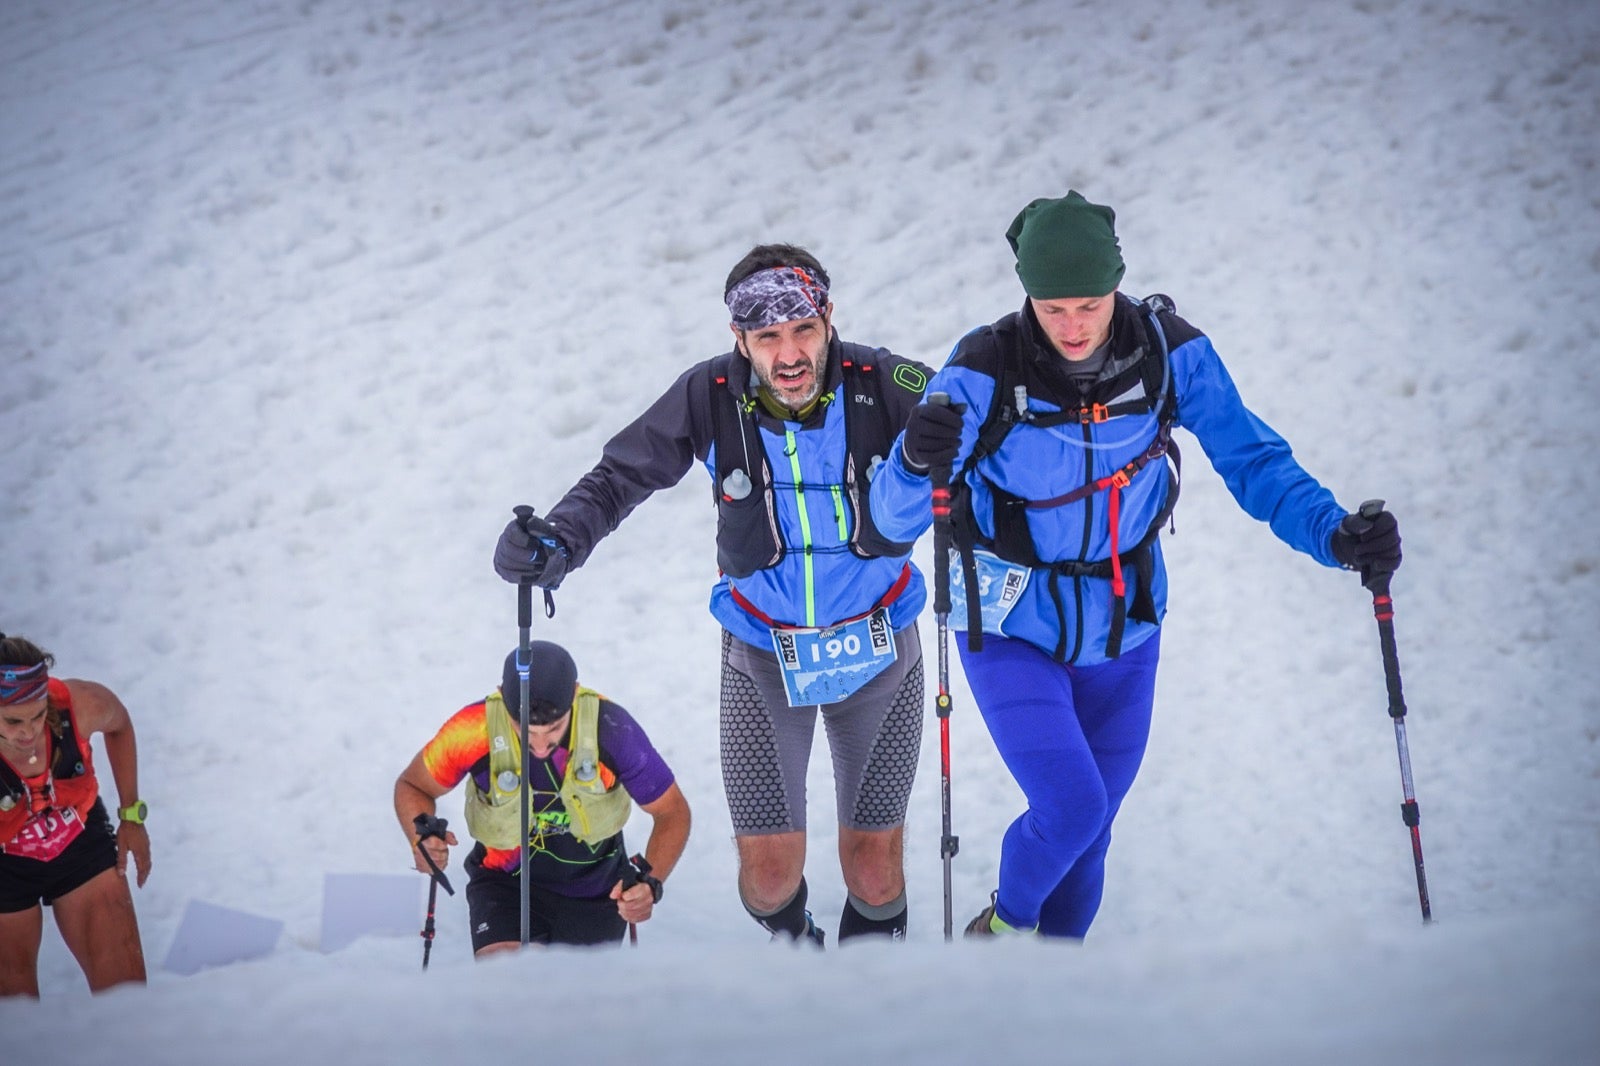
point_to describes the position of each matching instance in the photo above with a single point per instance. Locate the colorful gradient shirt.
(557, 860)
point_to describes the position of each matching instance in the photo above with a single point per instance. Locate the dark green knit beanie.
(1066, 248)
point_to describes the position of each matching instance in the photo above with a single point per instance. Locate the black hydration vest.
(748, 537)
(1012, 538)
(67, 763)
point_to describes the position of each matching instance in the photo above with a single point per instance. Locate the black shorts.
(25, 883)
(494, 909)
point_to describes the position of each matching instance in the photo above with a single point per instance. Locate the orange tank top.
(68, 782)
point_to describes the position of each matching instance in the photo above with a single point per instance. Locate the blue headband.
(23, 684)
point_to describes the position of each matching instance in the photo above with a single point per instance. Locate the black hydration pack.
(748, 537)
(1143, 387)
(66, 763)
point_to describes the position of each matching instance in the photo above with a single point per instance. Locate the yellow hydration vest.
(596, 813)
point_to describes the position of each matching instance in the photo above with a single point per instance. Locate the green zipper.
(792, 449)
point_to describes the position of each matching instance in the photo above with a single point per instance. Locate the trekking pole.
(1383, 610)
(949, 844)
(428, 826)
(524, 624)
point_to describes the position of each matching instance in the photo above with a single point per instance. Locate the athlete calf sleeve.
(861, 918)
(788, 920)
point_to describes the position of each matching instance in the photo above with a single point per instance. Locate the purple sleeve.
(628, 751)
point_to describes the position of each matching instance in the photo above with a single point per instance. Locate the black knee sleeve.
(862, 919)
(788, 920)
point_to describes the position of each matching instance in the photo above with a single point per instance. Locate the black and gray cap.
(552, 682)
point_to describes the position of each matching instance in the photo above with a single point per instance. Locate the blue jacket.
(1040, 464)
(809, 499)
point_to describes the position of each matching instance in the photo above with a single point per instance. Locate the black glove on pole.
(933, 434)
(530, 549)
(1376, 579)
(1368, 541)
(939, 473)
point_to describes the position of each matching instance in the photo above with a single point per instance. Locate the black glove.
(530, 549)
(1368, 541)
(932, 437)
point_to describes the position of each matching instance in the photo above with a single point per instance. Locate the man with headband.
(57, 846)
(818, 608)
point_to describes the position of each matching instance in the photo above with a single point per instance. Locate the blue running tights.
(1073, 738)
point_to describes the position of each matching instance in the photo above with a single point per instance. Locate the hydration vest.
(748, 536)
(597, 804)
(71, 781)
(1143, 387)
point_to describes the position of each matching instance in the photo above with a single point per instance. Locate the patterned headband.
(780, 294)
(23, 684)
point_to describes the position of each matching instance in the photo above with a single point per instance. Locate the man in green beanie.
(1066, 247)
(1059, 433)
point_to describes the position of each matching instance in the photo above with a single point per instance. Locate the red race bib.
(46, 834)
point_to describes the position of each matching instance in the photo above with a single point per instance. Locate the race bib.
(827, 665)
(1000, 586)
(46, 834)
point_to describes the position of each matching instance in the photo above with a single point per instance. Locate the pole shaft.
(1383, 611)
(947, 840)
(524, 624)
(427, 927)
(948, 844)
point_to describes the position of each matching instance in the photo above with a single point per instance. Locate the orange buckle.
(1095, 412)
(1121, 479)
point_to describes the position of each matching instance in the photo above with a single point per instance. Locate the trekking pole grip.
(427, 826)
(1377, 583)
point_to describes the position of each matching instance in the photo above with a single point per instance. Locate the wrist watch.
(134, 812)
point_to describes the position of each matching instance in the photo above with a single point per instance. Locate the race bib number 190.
(827, 665)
